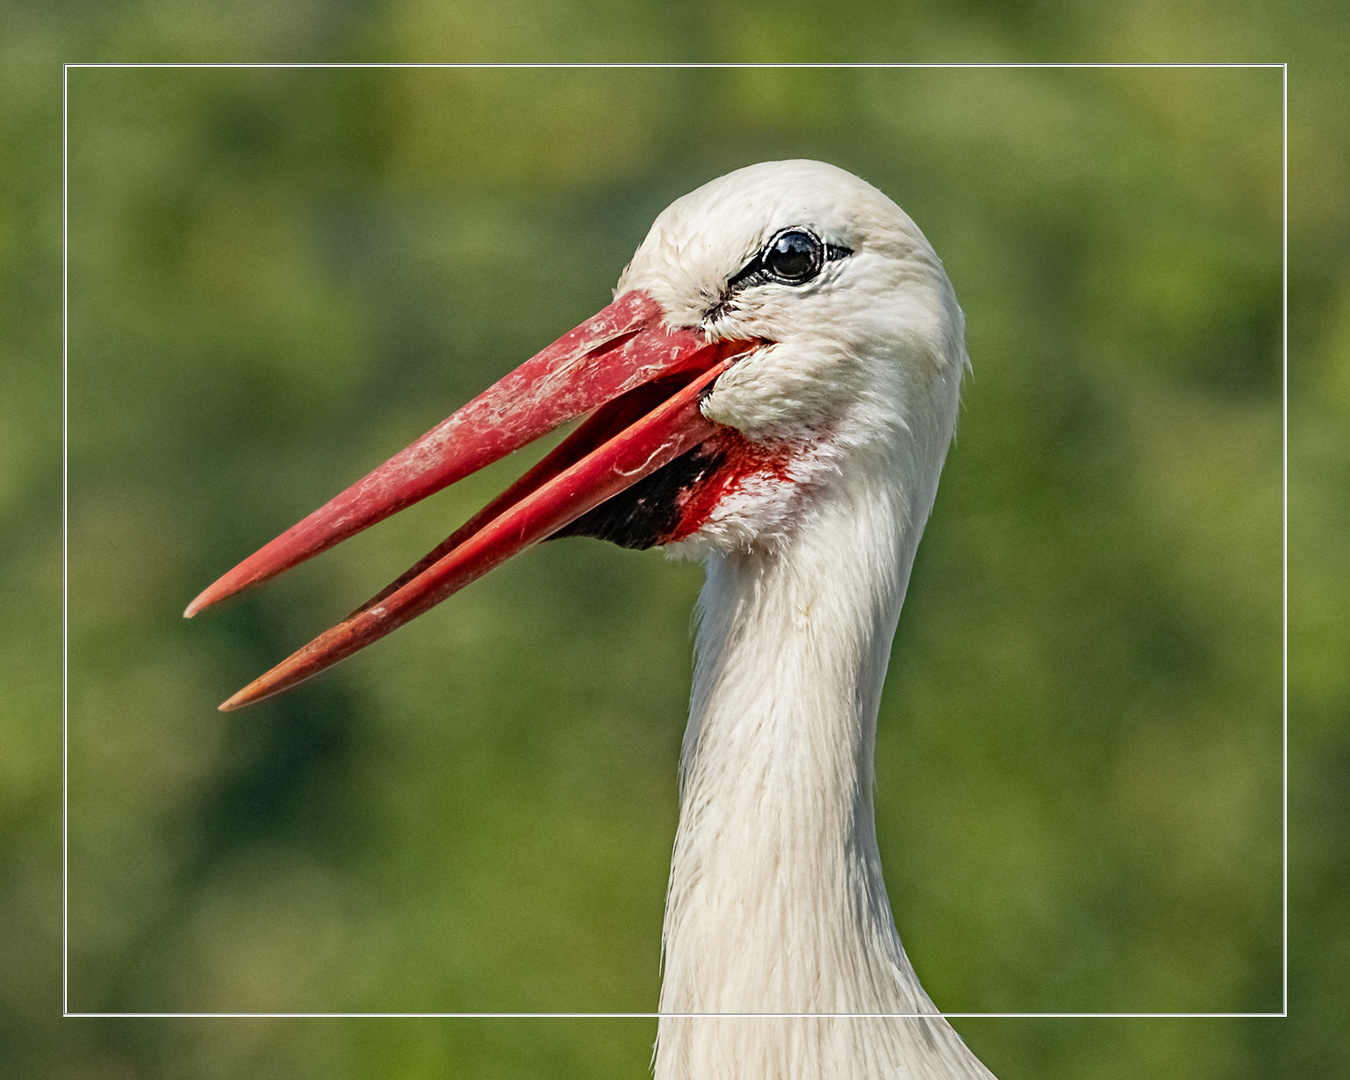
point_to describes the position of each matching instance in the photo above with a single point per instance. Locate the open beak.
(642, 381)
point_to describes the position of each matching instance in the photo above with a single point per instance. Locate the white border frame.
(65, 538)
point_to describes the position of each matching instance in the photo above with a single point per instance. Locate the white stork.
(772, 391)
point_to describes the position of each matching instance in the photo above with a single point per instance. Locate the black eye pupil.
(794, 256)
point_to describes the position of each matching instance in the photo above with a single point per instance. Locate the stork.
(772, 391)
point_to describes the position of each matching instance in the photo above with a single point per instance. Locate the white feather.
(776, 901)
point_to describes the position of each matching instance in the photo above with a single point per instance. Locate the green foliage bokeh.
(277, 277)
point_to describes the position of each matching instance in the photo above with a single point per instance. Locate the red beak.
(644, 382)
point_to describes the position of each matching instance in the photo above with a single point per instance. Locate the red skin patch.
(741, 459)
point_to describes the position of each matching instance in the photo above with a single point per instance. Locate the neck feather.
(776, 901)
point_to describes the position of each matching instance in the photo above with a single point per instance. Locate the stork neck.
(776, 900)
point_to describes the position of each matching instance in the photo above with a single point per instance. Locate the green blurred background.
(277, 277)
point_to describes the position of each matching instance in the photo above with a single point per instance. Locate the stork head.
(779, 327)
(861, 345)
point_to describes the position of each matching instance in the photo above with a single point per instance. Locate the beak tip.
(236, 701)
(208, 596)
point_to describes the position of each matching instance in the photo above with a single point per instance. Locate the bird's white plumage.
(788, 427)
(776, 901)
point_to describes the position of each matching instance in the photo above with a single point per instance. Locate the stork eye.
(793, 256)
